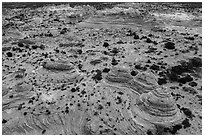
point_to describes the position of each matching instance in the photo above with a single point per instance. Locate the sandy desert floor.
(102, 68)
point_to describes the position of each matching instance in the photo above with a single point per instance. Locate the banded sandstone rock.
(158, 107)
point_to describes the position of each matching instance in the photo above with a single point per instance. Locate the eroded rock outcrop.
(158, 107)
(59, 66)
(141, 83)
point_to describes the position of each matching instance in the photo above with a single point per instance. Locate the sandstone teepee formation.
(155, 103)
(158, 107)
(141, 83)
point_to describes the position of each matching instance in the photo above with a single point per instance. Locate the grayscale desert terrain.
(102, 68)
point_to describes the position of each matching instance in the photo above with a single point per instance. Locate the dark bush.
(169, 45)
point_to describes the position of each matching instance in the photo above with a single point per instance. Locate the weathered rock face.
(141, 83)
(158, 107)
(119, 75)
(51, 65)
(154, 104)
(73, 123)
(147, 78)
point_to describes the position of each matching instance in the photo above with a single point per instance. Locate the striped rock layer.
(73, 123)
(158, 107)
(58, 66)
(141, 83)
